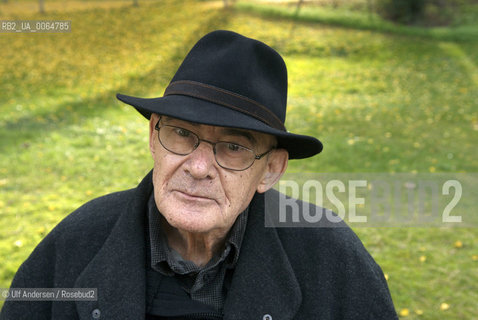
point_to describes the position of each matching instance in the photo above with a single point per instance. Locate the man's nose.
(201, 163)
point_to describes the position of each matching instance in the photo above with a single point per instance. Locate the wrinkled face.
(194, 193)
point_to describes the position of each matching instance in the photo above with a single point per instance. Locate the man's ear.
(152, 132)
(276, 166)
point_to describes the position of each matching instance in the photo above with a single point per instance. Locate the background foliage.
(382, 99)
(422, 12)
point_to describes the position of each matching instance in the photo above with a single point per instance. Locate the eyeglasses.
(228, 155)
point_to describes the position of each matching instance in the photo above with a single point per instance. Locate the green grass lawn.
(379, 101)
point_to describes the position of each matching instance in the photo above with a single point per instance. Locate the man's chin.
(194, 221)
(192, 227)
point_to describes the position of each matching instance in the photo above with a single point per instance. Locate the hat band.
(225, 98)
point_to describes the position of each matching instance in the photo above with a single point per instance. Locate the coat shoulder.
(65, 252)
(331, 239)
(330, 261)
(71, 245)
(97, 215)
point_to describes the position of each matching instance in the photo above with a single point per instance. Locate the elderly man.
(190, 241)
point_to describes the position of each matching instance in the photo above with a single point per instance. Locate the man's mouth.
(194, 196)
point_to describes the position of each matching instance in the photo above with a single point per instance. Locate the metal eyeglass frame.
(199, 140)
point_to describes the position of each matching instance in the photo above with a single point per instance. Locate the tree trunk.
(299, 4)
(370, 9)
(42, 6)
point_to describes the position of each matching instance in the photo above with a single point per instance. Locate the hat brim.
(205, 112)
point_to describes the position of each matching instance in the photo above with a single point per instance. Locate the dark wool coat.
(282, 273)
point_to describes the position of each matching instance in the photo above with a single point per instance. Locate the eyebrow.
(240, 133)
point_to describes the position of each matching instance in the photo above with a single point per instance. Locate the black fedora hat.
(230, 80)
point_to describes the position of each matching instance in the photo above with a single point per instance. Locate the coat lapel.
(118, 269)
(263, 282)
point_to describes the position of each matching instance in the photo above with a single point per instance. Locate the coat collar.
(263, 282)
(118, 269)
